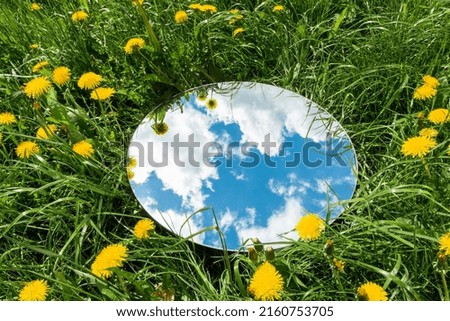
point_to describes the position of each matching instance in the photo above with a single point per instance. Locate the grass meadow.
(361, 60)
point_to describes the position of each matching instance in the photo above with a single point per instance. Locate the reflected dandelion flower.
(418, 146)
(7, 118)
(371, 292)
(211, 103)
(36, 290)
(310, 227)
(143, 228)
(160, 128)
(112, 256)
(267, 283)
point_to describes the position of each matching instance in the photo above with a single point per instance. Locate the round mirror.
(246, 159)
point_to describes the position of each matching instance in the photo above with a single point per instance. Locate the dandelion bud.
(252, 254)
(257, 243)
(270, 254)
(329, 248)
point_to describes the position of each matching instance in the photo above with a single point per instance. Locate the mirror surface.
(249, 158)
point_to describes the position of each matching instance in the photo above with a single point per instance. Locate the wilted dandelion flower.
(439, 116)
(143, 228)
(37, 67)
(444, 244)
(34, 46)
(7, 118)
(267, 283)
(371, 292)
(424, 92)
(160, 128)
(61, 75)
(102, 93)
(278, 7)
(181, 16)
(83, 148)
(428, 132)
(237, 31)
(46, 132)
(112, 256)
(79, 16)
(418, 146)
(89, 80)
(430, 81)
(26, 149)
(133, 45)
(339, 265)
(211, 103)
(309, 227)
(34, 291)
(35, 6)
(207, 8)
(37, 87)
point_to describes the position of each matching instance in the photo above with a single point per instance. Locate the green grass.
(361, 60)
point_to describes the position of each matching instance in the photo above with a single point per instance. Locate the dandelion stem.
(148, 26)
(444, 285)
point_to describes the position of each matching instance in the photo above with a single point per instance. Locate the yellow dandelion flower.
(418, 146)
(234, 11)
(439, 116)
(46, 132)
(35, 6)
(211, 103)
(130, 173)
(133, 45)
(278, 8)
(309, 227)
(237, 31)
(136, 2)
(102, 93)
(143, 228)
(79, 16)
(26, 149)
(34, 46)
(235, 19)
(195, 6)
(267, 283)
(339, 265)
(7, 118)
(444, 244)
(61, 75)
(37, 67)
(428, 132)
(181, 16)
(112, 256)
(133, 162)
(160, 128)
(83, 148)
(36, 290)
(430, 81)
(424, 92)
(207, 8)
(420, 115)
(371, 292)
(37, 87)
(89, 80)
